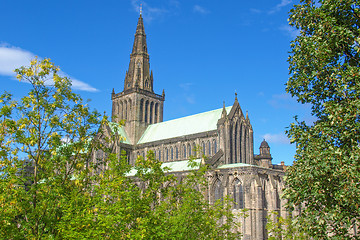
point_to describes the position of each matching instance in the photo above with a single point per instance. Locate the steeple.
(138, 74)
(138, 105)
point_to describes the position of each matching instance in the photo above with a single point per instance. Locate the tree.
(53, 187)
(153, 204)
(324, 72)
(43, 159)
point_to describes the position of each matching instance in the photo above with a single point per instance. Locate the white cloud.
(14, 57)
(290, 31)
(200, 9)
(149, 12)
(276, 138)
(278, 7)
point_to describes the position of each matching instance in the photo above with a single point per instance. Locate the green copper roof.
(120, 130)
(177, 166)
(234, 165)
(197, 123)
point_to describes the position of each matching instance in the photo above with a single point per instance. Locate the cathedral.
(225, 137)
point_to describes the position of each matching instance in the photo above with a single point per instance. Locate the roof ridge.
(189, 116)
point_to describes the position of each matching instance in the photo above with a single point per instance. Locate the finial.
(223, 104)
(113, 91)
(235, 95)
(140, 9)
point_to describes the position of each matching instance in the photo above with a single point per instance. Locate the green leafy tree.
(153, 204)
(285, 228)
(325, 73)
(52, 187)
(44, 162)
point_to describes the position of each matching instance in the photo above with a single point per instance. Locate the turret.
(264, 158)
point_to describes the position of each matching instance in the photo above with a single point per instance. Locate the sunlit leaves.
(44, 141)
(325, 72)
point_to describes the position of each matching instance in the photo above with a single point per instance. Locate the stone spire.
(138, 74)
(223, 113)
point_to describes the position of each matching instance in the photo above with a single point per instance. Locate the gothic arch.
(159, 154)
(214, 146)
(238, 194)
(217, 190)
(236, 143)
(156, 113)
(129, 109)
(188, 150)
(141, 109)
(176, 153)
(151, 112)
(146, 111)
(247, 146)
(166, 154)
(184, 151)
(121, 116)
(243, 148)
(125, 110)
(209, 147)
(203, 150)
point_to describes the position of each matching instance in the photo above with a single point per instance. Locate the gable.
(198, 123)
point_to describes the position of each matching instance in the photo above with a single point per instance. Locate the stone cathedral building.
(225, 136)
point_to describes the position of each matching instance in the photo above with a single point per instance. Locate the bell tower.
(137, 104)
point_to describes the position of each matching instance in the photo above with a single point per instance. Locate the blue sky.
(201, 53)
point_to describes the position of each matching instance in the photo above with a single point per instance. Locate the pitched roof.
(202, 122)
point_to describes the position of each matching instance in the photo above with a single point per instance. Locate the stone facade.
(251, 180)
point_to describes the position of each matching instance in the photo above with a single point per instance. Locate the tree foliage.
(43, 141)
(52, 187)
(324, 72)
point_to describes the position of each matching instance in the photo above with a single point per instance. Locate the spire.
(138, 74)
(247, 117)
(224, 113)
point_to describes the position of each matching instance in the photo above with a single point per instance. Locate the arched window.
(121, 116)
(141, 113)
(172, 153)
(159, 155)
(151, 112)
(236, 143)
(189, 150)
(176, 153)
(125, 110)
(184, 151)
(146, 111)
(203, 148)
(156, 113)
(238, 195)
(218, 190)
(209, 148)
(167, 155)
(129, 110)
(215, 147)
